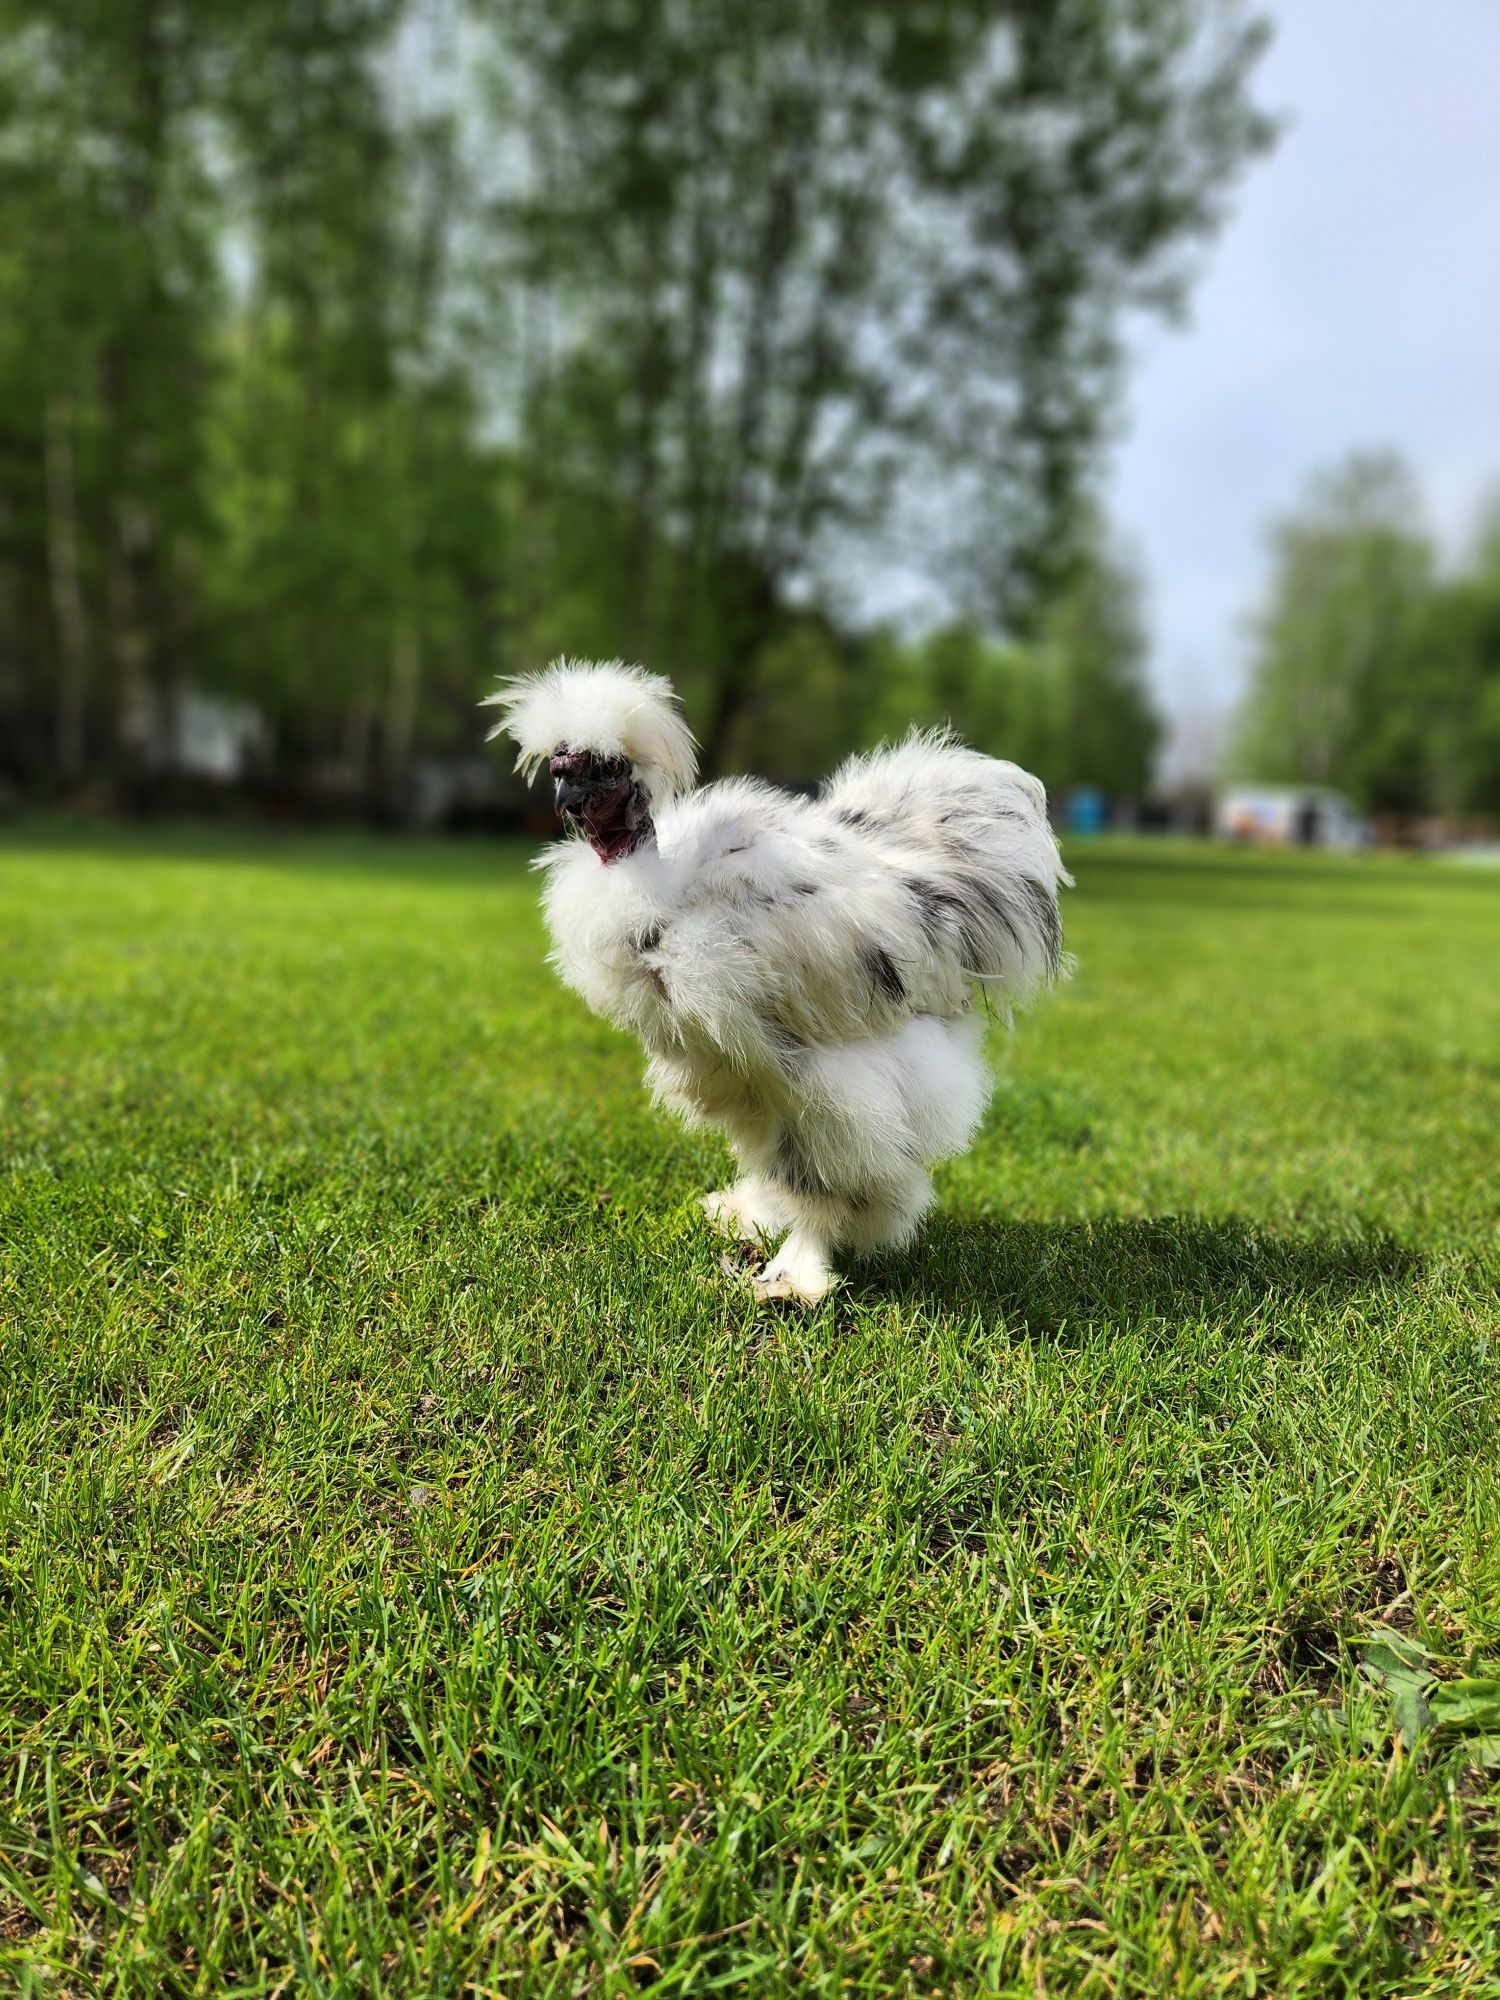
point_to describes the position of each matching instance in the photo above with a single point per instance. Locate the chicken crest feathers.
(605, 706)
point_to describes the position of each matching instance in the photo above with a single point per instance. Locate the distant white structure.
(1290, 816)
(206, 736)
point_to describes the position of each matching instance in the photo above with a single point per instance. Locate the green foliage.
(1072, 704)
(421, 1573)
(108, 297)
(1461, 1714)
(801, 258)
(1374, 669)
(351, 354)
(1007, 699)
(1095, 651)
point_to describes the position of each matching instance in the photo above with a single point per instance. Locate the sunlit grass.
(423, 1573)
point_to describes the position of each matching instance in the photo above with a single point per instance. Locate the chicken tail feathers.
(972, 838)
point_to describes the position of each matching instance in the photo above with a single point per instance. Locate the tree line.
(1375, 664)
(355, 352)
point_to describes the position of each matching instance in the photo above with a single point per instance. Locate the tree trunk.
(704, 261)
(133, 603)
(537, 448)
(652, 384)
(130, 640)
(358, 729)
(68, 607)
(402, 694)
(13, 718)
(734, 691)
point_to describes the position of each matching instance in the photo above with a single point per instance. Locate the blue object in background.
(1087, 811)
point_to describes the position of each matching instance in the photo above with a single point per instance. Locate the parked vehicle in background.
(1290, 816)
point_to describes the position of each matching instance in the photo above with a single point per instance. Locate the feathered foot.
(737, 1212)
(799, 1270)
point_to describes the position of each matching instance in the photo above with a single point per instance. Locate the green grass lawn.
(423, 1573)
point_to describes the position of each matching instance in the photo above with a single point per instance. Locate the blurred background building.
(355, 353)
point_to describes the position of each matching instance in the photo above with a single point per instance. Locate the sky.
(1352, 301)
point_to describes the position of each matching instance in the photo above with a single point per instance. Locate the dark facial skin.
(603, 796)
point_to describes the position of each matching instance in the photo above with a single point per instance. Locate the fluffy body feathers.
(802, 972)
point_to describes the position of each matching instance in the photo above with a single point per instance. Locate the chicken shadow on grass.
(1046, 1276)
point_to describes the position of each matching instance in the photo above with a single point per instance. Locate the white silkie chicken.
(801, 971)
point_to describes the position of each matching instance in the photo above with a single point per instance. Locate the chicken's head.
(603, 796)
(611, 736)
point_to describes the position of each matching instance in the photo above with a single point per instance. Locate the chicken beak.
(568, 797)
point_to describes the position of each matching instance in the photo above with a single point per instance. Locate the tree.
(238, 446)
(314, 598)
(781, 267)
(1096, 641)
(1457, 657)
(1071, 703)
(341, 392)
(1338, 688)
(111, 290)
